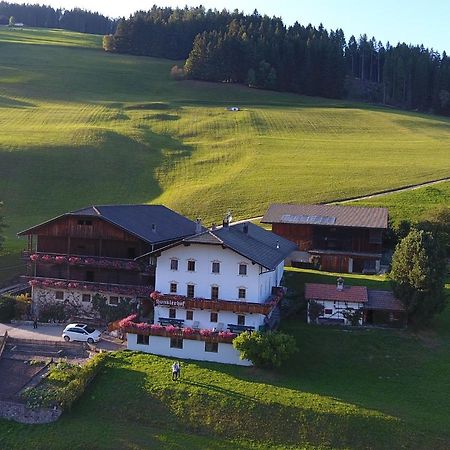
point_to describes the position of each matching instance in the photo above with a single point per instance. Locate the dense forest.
(263, 52)
(47, 17)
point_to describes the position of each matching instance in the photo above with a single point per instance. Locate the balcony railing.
(130, 325)
(180, 301)
(120, 289)
(88, 261)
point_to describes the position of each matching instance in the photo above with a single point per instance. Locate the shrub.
(269, 349)
(177, 73)
(7, 308)
(315, 310)
(353, 316)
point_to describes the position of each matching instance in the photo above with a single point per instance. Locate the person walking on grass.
(178, 370)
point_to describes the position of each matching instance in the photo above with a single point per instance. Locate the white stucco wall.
(192, 349)
(204, 316)
(336, 309)
(258, 284)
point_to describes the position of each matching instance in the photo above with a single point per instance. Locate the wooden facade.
(334, 248)
(57, 244)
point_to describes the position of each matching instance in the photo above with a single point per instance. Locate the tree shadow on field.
(8, 102)
(109, 168)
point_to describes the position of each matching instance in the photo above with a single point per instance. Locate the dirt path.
(409, 187)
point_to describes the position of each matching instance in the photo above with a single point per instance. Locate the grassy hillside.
(412, 205)
(346, 388)
(79, 126)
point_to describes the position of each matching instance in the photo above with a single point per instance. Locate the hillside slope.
(79, 126)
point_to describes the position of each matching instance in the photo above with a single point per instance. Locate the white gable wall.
(257, 283)
(333, 309)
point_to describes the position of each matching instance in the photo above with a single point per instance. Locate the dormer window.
(242, 269)
(191, 265)
(174, 264)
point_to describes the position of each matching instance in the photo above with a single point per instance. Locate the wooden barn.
(93, 251)
(330, 237)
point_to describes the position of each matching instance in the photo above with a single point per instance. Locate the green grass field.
(79, 126)
(412, 205)
(346, 388)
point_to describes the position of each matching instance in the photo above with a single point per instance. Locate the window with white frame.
(190, 291)
(176, 342)
(242, 293)
(191, 265)
(214, 317)
(173, 288)
(174, 264)
(215, 267)
(241, 319)
(242, 269)
(189, 315)
(172, 313)
(113, 300)
(212, 347)
(143, 340)
(214, 292)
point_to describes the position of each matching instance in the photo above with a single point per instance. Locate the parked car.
(81, 332)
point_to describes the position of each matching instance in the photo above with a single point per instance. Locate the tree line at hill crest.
(263, 52)
(47, 17)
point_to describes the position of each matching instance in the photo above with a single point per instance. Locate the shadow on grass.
(109, 169)
(8, 102)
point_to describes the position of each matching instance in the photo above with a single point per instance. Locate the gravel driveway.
(52, 333)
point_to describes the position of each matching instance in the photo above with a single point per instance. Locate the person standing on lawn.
(174, 371)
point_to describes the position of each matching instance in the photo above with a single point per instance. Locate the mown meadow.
(79, 126)
(412, 205)
(345, 388)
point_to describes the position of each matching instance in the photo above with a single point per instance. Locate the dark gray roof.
(330, 215)
(257, 244)
(152, 223)
(384, 300)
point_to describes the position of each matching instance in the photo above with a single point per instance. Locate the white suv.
(81, 332)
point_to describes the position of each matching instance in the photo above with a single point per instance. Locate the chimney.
(227, 220)
(340, 284)
(153, 227)
(245, 228)
(198, 226)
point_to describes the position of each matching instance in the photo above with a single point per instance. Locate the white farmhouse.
(335, 299)
(210, 287)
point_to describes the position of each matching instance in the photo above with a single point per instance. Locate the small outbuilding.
(332, 304)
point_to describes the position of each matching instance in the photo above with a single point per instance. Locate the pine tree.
(418, 272)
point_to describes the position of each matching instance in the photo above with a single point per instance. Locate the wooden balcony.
(87, 261)
(180, 301)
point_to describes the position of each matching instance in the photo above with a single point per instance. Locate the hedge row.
(65, 384)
